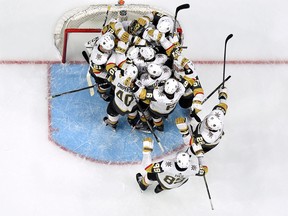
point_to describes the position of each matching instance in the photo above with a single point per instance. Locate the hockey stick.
(88, 75)
(149, 125)
(193, 114)
(222, 83)
(85, 55)
(227, 38)
(108, 9)
(208, 192)
(69, 92)
(180, 7)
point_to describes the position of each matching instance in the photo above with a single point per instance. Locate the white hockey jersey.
(169, 176)
(163, 105)
(98, 60)
(123, 96)
(148, 82)
(204, 138)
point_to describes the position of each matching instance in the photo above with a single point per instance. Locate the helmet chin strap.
(179, 168)
(169, 96)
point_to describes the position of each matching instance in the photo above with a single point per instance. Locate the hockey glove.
(222, 94)
(202, 171)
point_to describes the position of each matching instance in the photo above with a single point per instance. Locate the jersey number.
(171, 180)
(127, 99)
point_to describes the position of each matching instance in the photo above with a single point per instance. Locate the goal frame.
(82, 20)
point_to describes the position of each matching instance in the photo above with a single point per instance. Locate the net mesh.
(93, 17)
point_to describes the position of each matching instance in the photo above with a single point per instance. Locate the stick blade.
(228, 37)
(183, 6)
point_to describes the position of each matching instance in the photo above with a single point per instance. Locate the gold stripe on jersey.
(198, 91)
(147, 101)
(122, 35)
(170, 49)
(139, 40)
(109, 66)
(222, 106)
(142, 94)
(184, 61)
(142, 21)
(112, 26)
(149, 168)
(190, 80)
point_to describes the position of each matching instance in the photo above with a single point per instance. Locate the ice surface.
(247, 172)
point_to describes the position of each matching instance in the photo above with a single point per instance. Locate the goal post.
(80, 25)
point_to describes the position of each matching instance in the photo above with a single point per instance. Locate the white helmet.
(147, 53)
(154, 70)
(213, 123)
(107, 41)
(165, 24)
(131, 72)
(171, 86)
(133, 52)
(183, 160)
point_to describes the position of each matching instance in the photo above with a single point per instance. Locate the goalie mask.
(183, 160)
(165, 24)
(213, 123)
(154, 70)
(147, 53)
(107, 41)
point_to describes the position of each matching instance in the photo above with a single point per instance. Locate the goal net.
(80, 25)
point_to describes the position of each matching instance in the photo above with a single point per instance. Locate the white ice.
(247, 172)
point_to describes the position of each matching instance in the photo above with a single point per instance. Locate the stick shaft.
(69, 92)
(208, 192)
(149, 125)
(180, 7)
(224, 64)
(227, 78)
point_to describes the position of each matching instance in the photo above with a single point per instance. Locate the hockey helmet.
(171, 86)
(165, 24)
(107, 41)
(147, 53)
(214, 123)
(183, 160)
(154, 70)
(133, 52)
(131, 72)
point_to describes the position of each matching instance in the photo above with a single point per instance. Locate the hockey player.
(202, 136)
(156, 76)
(123, 101)
(168, 173)
(164, 101)
(101, 51)
(184, 72)
(122, 37)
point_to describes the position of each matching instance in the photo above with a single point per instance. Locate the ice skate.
(139, 178)
(108, 123)
(143, 126)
